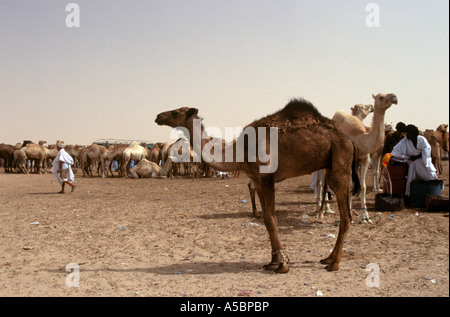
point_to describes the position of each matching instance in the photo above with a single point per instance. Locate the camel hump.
(298, 113)
(349, 124)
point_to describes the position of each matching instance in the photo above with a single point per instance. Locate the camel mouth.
(394, 100)
(159, 120)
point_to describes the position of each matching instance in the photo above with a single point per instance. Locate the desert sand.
(188, 237)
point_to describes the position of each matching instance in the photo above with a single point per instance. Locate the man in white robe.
(416, 151)
(62, 168)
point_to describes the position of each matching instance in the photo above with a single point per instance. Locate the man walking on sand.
(61, 168)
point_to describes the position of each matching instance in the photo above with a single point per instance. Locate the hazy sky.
(234, 60)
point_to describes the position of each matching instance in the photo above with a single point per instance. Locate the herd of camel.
(28, 157)
(340, 148)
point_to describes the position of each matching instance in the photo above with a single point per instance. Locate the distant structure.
(108, 141)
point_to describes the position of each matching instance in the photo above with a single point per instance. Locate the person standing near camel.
(61, 168)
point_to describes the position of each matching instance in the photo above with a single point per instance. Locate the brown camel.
(307, 141)
(7, 154)
(438, 141)
(156, 153)
(444, 138)
(33, 152)
(93, 153)
(72, 150)
(115, 153)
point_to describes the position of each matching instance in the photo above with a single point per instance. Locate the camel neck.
(444, 137)
(378, 128)
(202, 145)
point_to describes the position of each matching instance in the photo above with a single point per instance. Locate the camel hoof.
(282, 269)
(272, 266)
(325, 261)
(332, 267)
(366, 221)
(279, 262)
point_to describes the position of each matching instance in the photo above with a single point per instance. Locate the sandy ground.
(196, 237)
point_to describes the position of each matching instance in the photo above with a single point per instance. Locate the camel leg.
(86, 170)
(125, 168)
(364, 214)
(23, 167)
(110, 168)
(376, 161)
(104, 172)
(266, 194)
(119, 168)
(322, 197)
(318, 190)
(251, 189)
(342, 197)
(41, 167)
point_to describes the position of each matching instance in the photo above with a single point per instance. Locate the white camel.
(365, 142)
(360, 111)
(148, 169)
(134, 152)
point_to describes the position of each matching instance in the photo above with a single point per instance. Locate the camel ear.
(191, 112)
(373, 96)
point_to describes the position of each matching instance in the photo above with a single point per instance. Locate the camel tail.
(355, 178)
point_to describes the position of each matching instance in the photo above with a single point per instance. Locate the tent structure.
(108, 141)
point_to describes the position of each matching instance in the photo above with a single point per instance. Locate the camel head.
(442, 128)
(177, 118)
(384, 101)
(388, 127)
(361, 111)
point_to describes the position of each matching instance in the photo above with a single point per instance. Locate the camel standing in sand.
(134, 152)
(50, 154)
(115, 153)
(93, 153)
(182, 154)
(360, 111)
(366, 142)
(34, 152)
(438, 141)
(73, 150)
(155, 154)
(376, 160)
(307, 141)
(7, 154)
